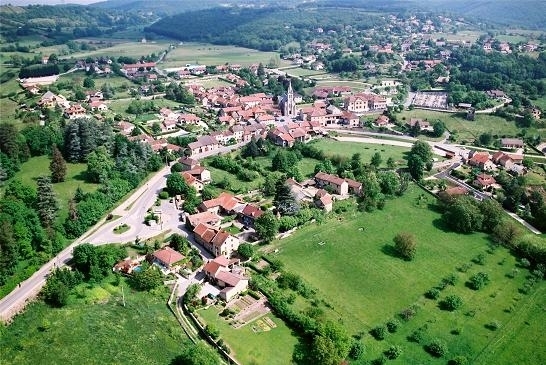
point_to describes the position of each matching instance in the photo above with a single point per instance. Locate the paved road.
(132, 212)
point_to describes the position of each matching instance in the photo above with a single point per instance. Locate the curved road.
(132, 211)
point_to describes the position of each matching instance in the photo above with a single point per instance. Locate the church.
(287, 103)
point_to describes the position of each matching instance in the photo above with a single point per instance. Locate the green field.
(129, 49)
(38, 166)
(347, 149)
(95, 328)
(274, 347)
(298, 71)
(357, 273)
(468, 130)
(209, 54)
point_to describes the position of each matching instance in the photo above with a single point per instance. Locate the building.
(363, 103)
(216, 240)
(224, 274)
(484, 181)
(75, 111)
(249, 214)
(337, 184)
(511, 143)
(167, 257)
(210, 218)
(287, 103)
(225, 203)
(323, 200)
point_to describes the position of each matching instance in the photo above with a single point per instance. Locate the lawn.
(347, 149)
(95, 328)
(298, 71)
(357, 273)
(128, 49)
(37, 166)
(212, 55)
(468, 130)
(272, 347)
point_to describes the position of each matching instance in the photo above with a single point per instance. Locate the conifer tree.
(46, 202)
(57, 166)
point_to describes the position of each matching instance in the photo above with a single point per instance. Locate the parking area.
(436, 100)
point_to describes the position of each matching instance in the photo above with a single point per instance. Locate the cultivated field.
(95, 328)
(356, 271)
(209, 54)
(129, 49)
(272, 347)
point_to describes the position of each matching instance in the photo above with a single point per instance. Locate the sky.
(46, 2)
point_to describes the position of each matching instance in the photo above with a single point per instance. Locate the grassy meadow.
(75, 176)
(356, 271)
(209, 54)
(274, 347)
(95, 328)
(347, 149)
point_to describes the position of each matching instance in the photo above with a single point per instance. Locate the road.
(132, 211)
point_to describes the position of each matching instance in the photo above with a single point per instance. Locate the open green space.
(212, 55)
(75, 177)
(298, 71)
(272, 347)
(355, 270)
(347, 149)
(469, 130)
(128, 49)
(95, 328)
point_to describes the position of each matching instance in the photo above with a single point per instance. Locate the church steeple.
(289, 103)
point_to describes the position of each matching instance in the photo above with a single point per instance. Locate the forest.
(264, 29)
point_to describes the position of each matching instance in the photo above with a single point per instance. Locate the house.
(216, 240)
(323, 200)
(362, 103)
(224, 203)
(210, 218)
(167, 257)
(98, 106)
(424, 125)
(200, 173)
(188, 163)
(481, 160)
(50, 100)
(75, 111)
(355, 187)
(496, 94)
(337, 184)
(502, 159)
(125, 128)
(203, 144)
(382, 121)
(131, 69)
(535, 112)
(511, 143)
(231, 280)
(192, 181)
(126, 266)
(484, 181)
(249, 214)
(452, 193)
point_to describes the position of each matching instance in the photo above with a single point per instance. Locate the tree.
(389, 182)
(376, 160)
(176, 185)
(452, 302)
(99, 165)
(197, 354)
(439, 128)
(331, 344)
(57, 166)
(406, 245)
(391, 164)
(416, 167)
(266, 226)
(246, 250)
(464, 215)
(46, 201)
(393, 352)
(147, 279)
(284, 200)
(88, 83)
(208, 192)
(493, 214)
(420, 157)
(379, 332)
(179, 243)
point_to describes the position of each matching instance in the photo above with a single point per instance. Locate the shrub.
(380, 360)
(452, 302)
(478, 280)
(433, 294)
(392, 325)
(524, 263)
(163, 195)
(212, 331)
(407, 314)
(451, 279)
(357, 350)
(456, 331)
(393, 352)
(437, 348)
(379, 332)
(493, 325)
(480, 259)
(464, 267)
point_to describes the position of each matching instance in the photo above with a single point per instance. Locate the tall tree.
(99, 165)
(72, 144)
(284, 200)
(267, 226)
(8, 251)
(198, 354)
(57, 166)
(376, 160)
(46, 202)
(8, 140)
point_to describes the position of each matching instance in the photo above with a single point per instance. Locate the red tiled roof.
(252, 211)
(167, 255)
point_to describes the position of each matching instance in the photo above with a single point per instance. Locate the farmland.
(366, 284)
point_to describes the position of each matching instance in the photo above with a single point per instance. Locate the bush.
(357, 350)
(452, 302)
(393, 325)
(493, 325)
(437, 348)
(417, 335)
(379, 332)
(393, 352)
(433, 294)
(480, 259)
(407, 314)
(212, 331)
(163, 195)
(380, 360)
(451, 279)
(478, 280)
